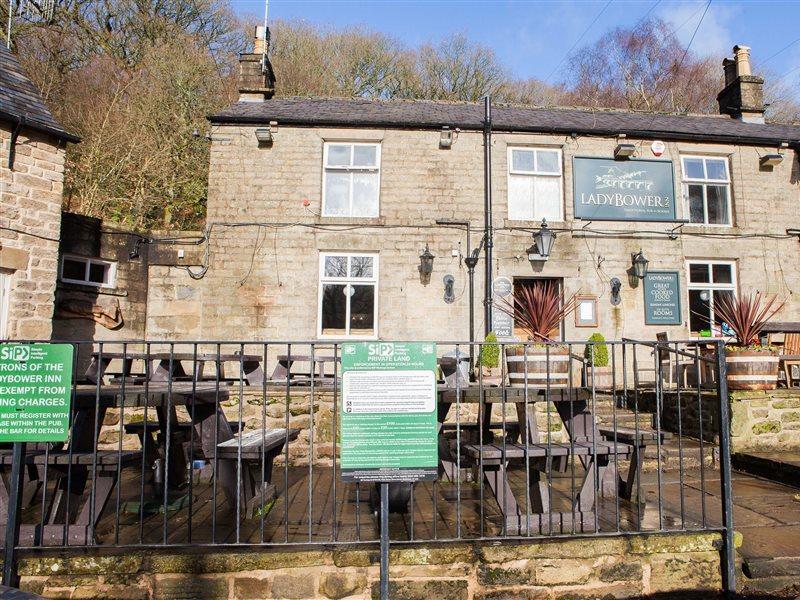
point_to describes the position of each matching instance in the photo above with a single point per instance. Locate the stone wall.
(765, 421)
(263, 270)
(613, 567)
(30, 223)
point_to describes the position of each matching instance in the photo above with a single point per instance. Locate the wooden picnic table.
(165, 366)
(594, 451)
(283, 370)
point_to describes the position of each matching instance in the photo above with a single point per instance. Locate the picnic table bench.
(284, 372)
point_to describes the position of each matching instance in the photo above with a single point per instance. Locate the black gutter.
(434, 126)
(35, 126)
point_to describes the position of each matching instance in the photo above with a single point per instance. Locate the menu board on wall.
(662, 298)
(605, 189)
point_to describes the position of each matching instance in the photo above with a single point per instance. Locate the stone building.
(319, 210)
(31, 184)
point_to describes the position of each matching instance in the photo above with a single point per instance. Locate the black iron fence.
(237, 443)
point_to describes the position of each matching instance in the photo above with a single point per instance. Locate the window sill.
(91, 289)
(322, 220)
(525, 224)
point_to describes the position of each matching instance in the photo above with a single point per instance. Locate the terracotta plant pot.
(533, 361)
(752, 369)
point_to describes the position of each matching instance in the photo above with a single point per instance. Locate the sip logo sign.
(383, 350)
(20, 353)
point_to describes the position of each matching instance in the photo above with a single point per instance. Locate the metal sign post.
(389, 427)
(35, 393)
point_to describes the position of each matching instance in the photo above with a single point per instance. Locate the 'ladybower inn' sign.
(605, 189)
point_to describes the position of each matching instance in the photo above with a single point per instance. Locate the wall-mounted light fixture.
(771, 160)
(639, 264)
(543, 241)
(263, 136)
(446, 138)
(624, 150)
(616, 286)
(425, 266)
(449, 294)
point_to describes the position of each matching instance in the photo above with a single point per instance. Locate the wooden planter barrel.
(537, 360)
(752, 370)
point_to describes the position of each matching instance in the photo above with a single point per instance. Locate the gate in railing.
(207, 443)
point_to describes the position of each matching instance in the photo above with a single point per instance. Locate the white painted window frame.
(5, 302)
(112, 271)
(348, 281)
(686, 181)
(534, 174)
(351, 170)
(710, 286)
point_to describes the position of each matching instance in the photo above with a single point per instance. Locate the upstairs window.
(348, 295)
(88, 271)
(706, 188)
(708, 282)
(351, 184)
(534, 184)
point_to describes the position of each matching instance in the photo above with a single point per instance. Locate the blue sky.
(532, 37)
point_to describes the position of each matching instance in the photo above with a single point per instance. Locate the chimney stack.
(743, 95)
(256, 78)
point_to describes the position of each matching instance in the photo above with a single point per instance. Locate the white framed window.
(351, 179)
(708, 281)
(5, 301)
(707, 189)
(348, 295)
(534, 184)
(88, 271)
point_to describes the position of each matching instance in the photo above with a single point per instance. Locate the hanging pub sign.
(35, 392)
(605, 189)
(662, 298)
(389, 427)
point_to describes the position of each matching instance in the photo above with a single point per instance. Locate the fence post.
(10, 578)
(728, 549)
(384, 517)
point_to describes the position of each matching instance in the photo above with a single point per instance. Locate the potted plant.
(489, 360)
(596, 369)
(538, 310)
(751, 365)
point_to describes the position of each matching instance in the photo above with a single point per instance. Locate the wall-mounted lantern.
(446, 138)
(425, 266)
(639, 263)
(449, 294)
(616, 286)
(543, 241)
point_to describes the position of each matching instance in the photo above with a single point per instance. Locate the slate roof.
(20, 98)
(422, 114)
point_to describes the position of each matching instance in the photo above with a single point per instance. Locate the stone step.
(787, 586)
(761, 568)
(782, 467)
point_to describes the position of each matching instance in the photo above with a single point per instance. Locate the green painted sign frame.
(35, 392)
(389, 427)
(662, 298)
(604, 189)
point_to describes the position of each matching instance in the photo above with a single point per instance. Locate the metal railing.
(208, 443)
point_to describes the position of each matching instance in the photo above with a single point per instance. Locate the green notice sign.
(35, 391)
(662, 298)
(389, 427)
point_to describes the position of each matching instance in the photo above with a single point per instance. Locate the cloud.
(714, 37)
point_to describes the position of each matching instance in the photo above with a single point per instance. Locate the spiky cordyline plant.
(537, 309)
(747, 315)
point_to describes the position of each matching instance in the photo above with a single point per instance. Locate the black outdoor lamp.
(639, 264)
(542, 243)
(425, 266)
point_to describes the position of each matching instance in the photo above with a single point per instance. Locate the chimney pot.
(743, 95)
(259, 40)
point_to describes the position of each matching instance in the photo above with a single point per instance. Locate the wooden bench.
(494, 453)
(638, 441)
(256, 450)
(72, 471)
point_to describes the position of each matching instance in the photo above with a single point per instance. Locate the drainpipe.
(487, 213)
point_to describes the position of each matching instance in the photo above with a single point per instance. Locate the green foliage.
(600, 350)
(490, 352)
